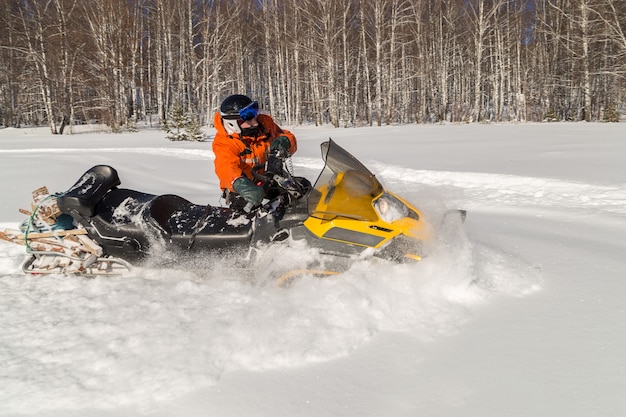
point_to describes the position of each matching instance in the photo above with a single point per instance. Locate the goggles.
(250, 111)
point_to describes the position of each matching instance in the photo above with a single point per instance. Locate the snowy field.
(520, 313)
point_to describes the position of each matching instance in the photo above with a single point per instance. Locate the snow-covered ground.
(519, 313)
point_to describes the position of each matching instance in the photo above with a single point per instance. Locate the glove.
(281, 143)
(250, 192)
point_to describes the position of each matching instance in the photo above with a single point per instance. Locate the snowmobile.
(98, 228)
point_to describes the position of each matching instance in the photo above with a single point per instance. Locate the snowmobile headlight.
(390, 209)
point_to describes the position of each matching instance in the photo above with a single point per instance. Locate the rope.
(31, 219)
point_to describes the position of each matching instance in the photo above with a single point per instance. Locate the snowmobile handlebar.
(273, 166)
(257, 175)
(277, 177)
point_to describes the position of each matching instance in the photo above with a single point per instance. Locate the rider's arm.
(227, 162)
(275, 131)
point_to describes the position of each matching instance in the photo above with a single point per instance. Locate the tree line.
(342, 62)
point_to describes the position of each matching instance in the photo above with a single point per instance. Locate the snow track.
(150, 336)
(471, 188)
(480, 190)
(189, 154)
(515, 191)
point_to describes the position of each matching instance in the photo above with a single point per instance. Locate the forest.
(341, 62)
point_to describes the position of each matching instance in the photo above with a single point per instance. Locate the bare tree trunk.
(35, 38)
(296, 71)
(66, 67)
(346, 73)
(366, 65)
(379, 22)
(585, 35)
(160, 65)
(270, 65)
(478, 60)
(390, 73)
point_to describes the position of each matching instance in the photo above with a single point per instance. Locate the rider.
(244, 138)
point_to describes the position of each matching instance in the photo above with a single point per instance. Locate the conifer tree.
(181, 126)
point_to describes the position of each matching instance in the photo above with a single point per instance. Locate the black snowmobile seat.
(162, 208)
(210, 227)
(119, 215)
(83, 196)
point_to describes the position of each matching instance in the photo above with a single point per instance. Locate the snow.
(520, 312)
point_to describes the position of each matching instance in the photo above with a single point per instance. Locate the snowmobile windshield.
(345, 188)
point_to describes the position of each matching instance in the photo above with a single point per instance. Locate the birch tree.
(39, 47)
(346, 63)
(12, 63)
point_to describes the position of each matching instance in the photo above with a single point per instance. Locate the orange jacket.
(235, 156)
